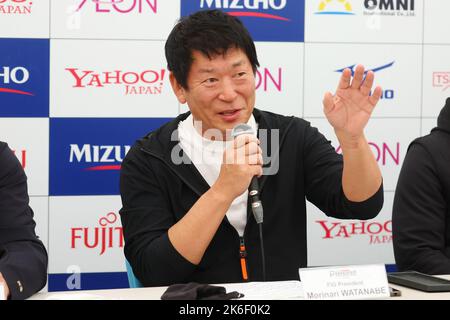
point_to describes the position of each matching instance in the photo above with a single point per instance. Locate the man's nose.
(228, 92)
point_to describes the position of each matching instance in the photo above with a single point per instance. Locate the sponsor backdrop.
(81, 80)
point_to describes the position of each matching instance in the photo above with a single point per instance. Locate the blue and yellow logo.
(339, 7)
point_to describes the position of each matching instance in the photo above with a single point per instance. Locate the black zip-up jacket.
(23, 258)
(156, 193)
(421, 212)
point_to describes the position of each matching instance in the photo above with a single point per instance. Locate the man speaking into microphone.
(187, 212)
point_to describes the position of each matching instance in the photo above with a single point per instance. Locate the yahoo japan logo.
(377, 232)
(16, 6)
(147, 82)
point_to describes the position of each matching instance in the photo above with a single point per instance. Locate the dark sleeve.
(146, 218)
(23, 258)
(323, 181)
(419, 216)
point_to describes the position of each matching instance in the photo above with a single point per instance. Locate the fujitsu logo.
(105, 236)
(22, 156)
(100, 154)
(16, 6)
(149, 82)
(121, 6)
(377, 232)
(14, 76)
(247, 5)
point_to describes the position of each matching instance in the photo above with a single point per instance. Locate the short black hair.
(211, 32)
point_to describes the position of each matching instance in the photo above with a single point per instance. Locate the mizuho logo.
(98, 154)
(17, 75)
(244, 4)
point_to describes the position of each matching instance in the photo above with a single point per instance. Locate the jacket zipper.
(243, 255)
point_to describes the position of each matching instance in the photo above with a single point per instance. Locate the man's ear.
(177, 89)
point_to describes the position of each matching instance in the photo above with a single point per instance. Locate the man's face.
(221, 90)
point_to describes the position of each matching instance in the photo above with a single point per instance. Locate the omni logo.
(335, 7)
(259, 5)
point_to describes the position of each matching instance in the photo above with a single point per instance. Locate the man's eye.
(240, 74)
(210, 81)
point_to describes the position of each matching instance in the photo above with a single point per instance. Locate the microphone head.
(241, 128)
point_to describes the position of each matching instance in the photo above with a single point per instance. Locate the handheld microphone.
(253, 189)
(253, 192)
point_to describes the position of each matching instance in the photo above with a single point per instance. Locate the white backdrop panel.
(342, 242)
(28, 138)
(399, 75)
(105, 78)
(24, 18)
(86, 232)
(388, 139)
(126, 19)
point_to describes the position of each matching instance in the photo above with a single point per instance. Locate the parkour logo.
(266, 20)
(335, 7)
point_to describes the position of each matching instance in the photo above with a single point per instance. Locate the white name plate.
(344, 282)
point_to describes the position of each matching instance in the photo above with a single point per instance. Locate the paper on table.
(2, 292)
(278, 290)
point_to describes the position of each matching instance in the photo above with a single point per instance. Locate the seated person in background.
(23, 258)
(421, 213)
(191, 221)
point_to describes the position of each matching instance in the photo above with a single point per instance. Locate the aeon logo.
(16, 75)
(101, 155)
(377, 232)
(22, 156)
(259, 5)
(266, 79)
(119, 6)
(16, 6)
(384, 154)
(102, 237)
(147, 82)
